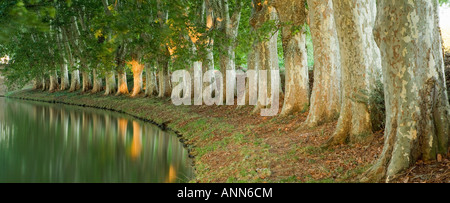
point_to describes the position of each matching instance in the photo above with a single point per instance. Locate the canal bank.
(230, 144)
(55, 143)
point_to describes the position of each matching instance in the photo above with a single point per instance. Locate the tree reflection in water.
(57, 143)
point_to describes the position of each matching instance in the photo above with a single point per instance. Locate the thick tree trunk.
(267, 57)
(121, 72)
(151, 87)
(358, 60)
(137, 69)
(75, 83)
(292, 13)
(37, 83)
(110, 81)
(98, 84)
(64, 77)
(87, 84)
(45, 83)
(165, 89)
(326, 93)
(417, 109)
(297, 81)
(54, 85)
(122, 83)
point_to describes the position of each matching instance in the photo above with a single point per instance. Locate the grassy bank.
(230, 144)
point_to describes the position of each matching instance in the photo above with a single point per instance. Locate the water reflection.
(56, 143)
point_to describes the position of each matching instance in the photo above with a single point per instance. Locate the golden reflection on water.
(56, 143)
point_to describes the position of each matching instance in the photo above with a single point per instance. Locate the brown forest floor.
(233, 145)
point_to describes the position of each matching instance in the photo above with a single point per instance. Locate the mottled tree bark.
(64, 64)
(75, 83)
(151, 87)
(87, 83)
(69, 64)
(292, 16)
(417, 109)
(64, 77)
(37, 83)
(326, 93)
(97, 82)
(266, 52)
(45, 83)
(54, 85)
(208, 60)
(110, 81)
(354, 19)
(165, 89)
(297, 80)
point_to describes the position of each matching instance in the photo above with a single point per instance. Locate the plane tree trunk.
(75, 83)
(110, 81)
(87, 83)
(137, 69)
(265, 54)
(54, 85)
(151, 87)
(165, 89)
(292, 16)
(359, 59)
(417, 109)
(326, 92)
(97, 82)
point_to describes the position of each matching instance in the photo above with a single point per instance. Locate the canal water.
(55, 143)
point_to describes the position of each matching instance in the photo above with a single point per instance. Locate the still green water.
(42, 142)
